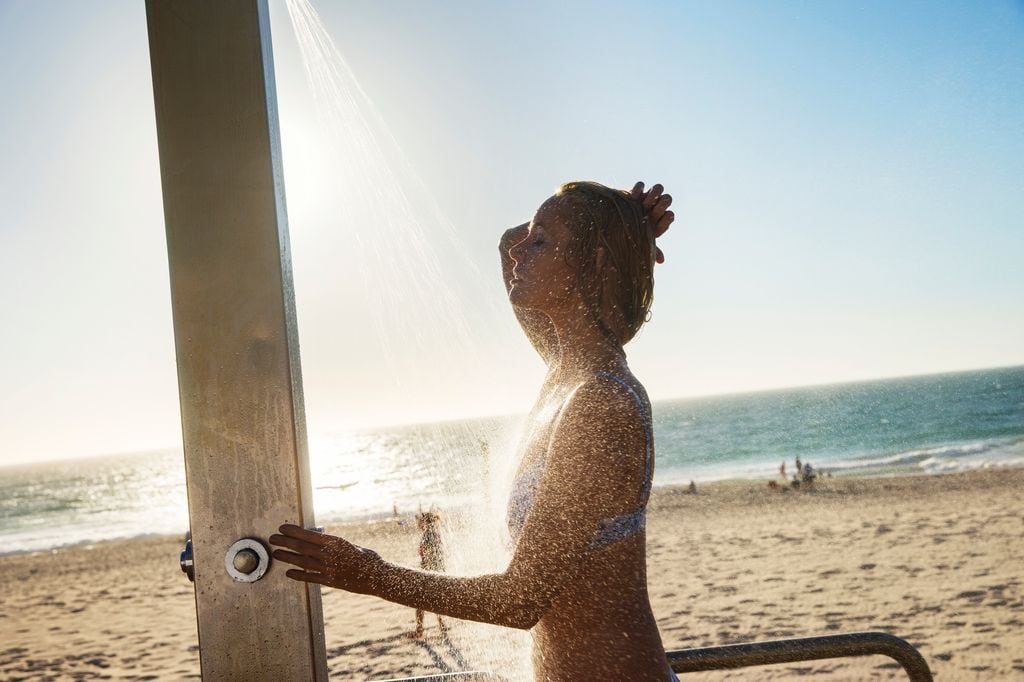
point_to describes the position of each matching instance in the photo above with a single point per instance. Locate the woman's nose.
(516, 250)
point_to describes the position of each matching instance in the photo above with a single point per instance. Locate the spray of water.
(376, 190)
(374, 168)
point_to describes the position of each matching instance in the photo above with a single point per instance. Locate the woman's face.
(543, 277)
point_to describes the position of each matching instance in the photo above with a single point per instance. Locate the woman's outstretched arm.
(535, 324)
(335, 562)
(592, 446)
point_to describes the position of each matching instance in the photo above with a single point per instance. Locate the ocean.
(927, 425)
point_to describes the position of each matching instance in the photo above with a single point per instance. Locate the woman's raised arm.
(536, 325)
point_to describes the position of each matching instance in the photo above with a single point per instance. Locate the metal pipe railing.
(469, 676)
(750, 654)
(803, 649)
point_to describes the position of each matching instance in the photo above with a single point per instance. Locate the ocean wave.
(37, 544)
(940, 459)
(945, 457)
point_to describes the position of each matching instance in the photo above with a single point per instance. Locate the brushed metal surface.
(235, 330)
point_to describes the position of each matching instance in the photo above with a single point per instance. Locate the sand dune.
(934, 559)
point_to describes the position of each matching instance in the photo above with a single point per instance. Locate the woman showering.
(580, 280)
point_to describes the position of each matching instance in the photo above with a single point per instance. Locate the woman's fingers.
(324, 559)
(655, 204)
(660, 207)
(295, 544)
(663, 223)
(661, 217)
(301, 560)
(651, 198)
(315, 537)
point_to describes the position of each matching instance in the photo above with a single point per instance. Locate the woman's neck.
(584, 348)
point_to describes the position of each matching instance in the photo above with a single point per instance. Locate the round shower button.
(247, 560)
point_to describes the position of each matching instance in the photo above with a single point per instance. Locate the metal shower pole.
(235, 335)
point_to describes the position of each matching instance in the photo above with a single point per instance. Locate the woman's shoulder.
(604, 434)
(607, 402)
(620, 388)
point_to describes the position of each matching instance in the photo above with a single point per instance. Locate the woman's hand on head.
(326, 559)
(513, 236)
(655, 204)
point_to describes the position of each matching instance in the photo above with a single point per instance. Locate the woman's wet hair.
(618, 286)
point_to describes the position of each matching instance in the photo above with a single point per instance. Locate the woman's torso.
(601, 625)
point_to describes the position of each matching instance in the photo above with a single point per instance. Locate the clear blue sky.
(849, 179)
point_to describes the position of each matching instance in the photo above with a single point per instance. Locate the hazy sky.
(849, 180)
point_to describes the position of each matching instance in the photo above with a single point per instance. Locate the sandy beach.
(933, 559)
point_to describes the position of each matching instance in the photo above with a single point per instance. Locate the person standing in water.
(580, 280)
(431, 559)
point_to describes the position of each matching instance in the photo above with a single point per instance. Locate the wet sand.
(933, 559)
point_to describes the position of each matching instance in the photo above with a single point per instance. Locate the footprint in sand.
(972, 595)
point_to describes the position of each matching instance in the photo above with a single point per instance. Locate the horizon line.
(507, 415)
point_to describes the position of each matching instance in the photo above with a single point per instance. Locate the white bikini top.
(608, 531)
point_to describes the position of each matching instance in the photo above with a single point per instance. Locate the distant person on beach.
(395, 515)
(431, 558)
(485, 455)
(580, 280)
(782, 469)
(799, 468)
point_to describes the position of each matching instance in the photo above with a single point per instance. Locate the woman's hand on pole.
(326, 559)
